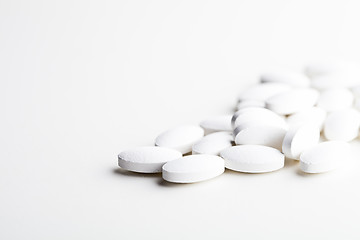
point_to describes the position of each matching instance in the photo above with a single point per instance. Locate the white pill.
(180, 138)
(345, 80)
(286, 77)
(334, 99)
(213, 143)
(260, 134)
(313, 115)
(250, 103)
(330, 67)
(258, 115)
(253, 158)
(146, 159)
(261, 92)
(342, 125)
(217, 124)
(293, 101)
(193, 168)
(324, 157)
(300, 138)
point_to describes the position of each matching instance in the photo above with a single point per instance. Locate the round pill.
(253, 158)
(258, 115)
(313, 115)
(261, 92)
(260, 134)
(146, 159)
(180, 138)
(324, 157)
(292, 101)
(300, 138)
(216, 124)
(334, 99)
(213, 143)
(286, 77)
(250, 103)
(342, 125)
(193, 168)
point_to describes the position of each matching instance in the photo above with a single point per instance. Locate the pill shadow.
(123, 172)
(290, 163)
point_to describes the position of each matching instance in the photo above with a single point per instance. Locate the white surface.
(82, 80)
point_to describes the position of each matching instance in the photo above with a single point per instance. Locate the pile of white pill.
(310, 117)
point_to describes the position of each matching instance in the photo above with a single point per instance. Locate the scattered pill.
(146, 159)
(324, 157)
(250, 103)
(300, 138)
(216, 124)
(292, 101)
(180, 138)
(334, 99)
(213, 143)
(193, 168)
(253, 158)
(342, 125)
(260, 134)
(286, 77)
(313, 115)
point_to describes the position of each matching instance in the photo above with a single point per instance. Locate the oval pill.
(180, 138)
(342, 125)
(300, 138)
(313, 115)
(213, 143)
(253, 158)
(324, 157)
(146, 159)
(292, 101)
(216, 124)
(193, 168)
(334, 99)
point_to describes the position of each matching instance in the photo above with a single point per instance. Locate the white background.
(81, 80)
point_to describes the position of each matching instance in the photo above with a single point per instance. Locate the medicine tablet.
(250, 103)
(286, 77)
(193, 168)
(213, 143)
(334, 99)
(146, 159)
(261, 92)
(342, 125)
(258, 115)
(313, 115)
(324, 157)
(260, 134)
(180, 138)
(300, 138)
(253, 158)
(216, 124)
(293, 101)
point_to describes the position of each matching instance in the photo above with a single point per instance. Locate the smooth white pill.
(293, 101)
(300, 138)
(324, 157)
(213, 143)
(286, 77)
(260, 134)
(146, 159)
(250, 103)
(260, 116)
(344, 80)
(193, 168)
(334, 99)
(313, 115)
(261, 92)
(253, 158)
(217, 124)
(342, 125)
(180, 138)
(331, 67)
(245, 110)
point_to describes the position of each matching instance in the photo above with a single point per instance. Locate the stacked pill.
(310, 117)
